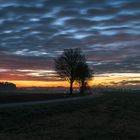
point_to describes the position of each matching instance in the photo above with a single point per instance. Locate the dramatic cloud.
(34, 32)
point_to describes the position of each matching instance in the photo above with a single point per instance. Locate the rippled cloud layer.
(34, 32)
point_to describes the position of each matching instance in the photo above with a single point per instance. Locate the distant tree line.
(7, 86)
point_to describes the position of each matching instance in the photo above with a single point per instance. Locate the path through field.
(7, 105)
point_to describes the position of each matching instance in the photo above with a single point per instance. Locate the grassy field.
(27, 97)
(109, 117)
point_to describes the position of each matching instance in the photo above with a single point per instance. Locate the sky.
(34, 32)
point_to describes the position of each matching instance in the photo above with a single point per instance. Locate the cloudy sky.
(34, 32)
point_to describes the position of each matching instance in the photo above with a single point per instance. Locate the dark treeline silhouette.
(7, 86)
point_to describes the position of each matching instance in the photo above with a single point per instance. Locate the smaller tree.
(83, 75)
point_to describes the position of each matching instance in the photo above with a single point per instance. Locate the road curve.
(9, 105)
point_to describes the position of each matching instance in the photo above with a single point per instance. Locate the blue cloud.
(107, 31)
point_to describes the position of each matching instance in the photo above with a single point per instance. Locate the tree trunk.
(82, 88)
(71, 87)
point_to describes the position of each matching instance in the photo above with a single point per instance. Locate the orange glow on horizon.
(40, 84)
(102, 79)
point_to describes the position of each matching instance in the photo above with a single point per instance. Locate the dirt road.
(9, 105)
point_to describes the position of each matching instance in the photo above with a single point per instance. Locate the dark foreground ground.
(108, 117)
(27, 97)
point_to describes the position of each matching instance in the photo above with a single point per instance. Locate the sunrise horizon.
(33, 34)
(118, 80)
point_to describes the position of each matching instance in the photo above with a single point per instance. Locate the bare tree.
(66, 65)
(83, 75)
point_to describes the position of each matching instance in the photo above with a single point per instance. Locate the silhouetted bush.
(7, 86)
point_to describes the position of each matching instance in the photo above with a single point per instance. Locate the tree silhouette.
(83, 75)
(66, 65)
(7, 86)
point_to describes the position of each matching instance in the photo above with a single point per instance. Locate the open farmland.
(111, 116)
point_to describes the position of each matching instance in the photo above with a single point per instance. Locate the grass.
(26, 97)
(109, 117)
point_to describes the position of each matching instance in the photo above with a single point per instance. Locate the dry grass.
(110, 117)
(26, 97)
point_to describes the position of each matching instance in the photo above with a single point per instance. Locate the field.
(114, 116)
(27, 97)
